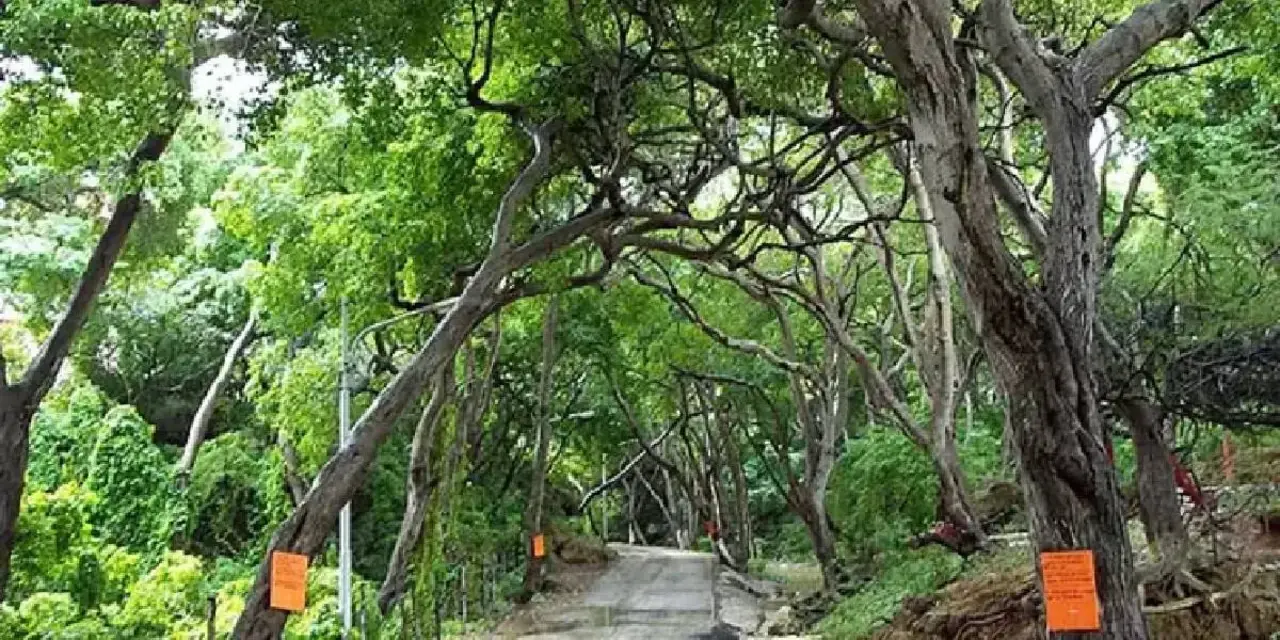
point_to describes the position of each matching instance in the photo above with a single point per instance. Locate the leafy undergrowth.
(995, 598)
(905, 575)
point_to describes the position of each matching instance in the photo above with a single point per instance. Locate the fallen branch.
(1176, 605)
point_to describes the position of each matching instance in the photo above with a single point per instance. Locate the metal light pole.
(344, 439)
(344, 519)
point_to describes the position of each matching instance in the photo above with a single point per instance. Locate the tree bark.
(823, 421)
(15, 428)
(292, 475)
(742, 506)
(679, 532)
(1158, 503)
(814, 514)
(19, 402)
(200, 423)
(810, 505)
(736, 527)
(537, 484)
(932, 347)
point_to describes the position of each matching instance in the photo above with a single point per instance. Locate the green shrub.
(53, 532)
(903, 575)
(788, 541)
(883, 491)
(63, 434)
(139, 501)
(164, 602)
(80, 436)
(234, 500)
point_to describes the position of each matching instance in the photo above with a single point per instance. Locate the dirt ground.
(1006, 605)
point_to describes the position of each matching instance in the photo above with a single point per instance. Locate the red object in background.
(712, 530)
(1228, 459)
(947, 532)
(1181, 477)
(1186, 483)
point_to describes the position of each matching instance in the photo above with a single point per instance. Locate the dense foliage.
(757, 322)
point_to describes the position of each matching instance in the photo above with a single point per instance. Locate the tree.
(799, 181)
(489, 287)
(20, 400)
(157, 104)
(534, 517)
(200, 423)
(1038, 339)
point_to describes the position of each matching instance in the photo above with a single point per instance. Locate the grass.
(797, 577)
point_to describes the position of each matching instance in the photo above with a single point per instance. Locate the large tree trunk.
(810, 504)
(814, 514)
(200, 423)
(953, 497)
(820, 460)
(1158, 503)
(533, 520)
(742, 507)
(15, 427)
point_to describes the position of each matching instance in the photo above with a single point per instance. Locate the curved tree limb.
(200, 423)
(1027, 215)
(1120, 47)
(749, 347)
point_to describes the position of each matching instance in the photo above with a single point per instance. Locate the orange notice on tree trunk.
(288, 581)
(539, 546)
(1070, 591)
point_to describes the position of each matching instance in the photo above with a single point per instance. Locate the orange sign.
(288, 581)
(1070, 591)
(539, 546)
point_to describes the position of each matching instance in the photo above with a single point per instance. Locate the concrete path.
(648, 593)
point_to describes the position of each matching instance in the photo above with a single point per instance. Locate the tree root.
(1186, 590)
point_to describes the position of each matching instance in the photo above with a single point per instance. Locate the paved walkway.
(648, 593)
